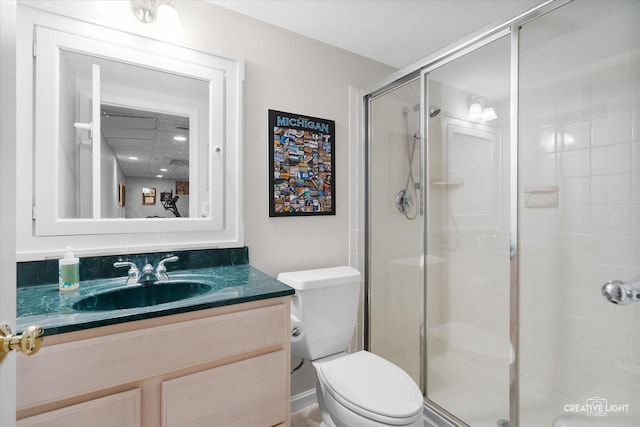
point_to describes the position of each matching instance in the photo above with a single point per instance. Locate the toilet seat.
(371, 387)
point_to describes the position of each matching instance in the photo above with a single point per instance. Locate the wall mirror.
(119, 111)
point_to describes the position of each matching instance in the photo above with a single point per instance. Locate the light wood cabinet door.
(116, 410)
(248, 393)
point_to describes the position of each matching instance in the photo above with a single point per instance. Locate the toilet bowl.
(365, 390)
(353, 390)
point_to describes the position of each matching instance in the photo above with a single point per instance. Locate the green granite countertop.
(53, 310)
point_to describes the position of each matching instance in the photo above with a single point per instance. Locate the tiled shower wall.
(580, 131)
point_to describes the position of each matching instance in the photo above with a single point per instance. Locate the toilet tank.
(326, 302)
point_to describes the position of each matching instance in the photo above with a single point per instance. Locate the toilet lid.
(372, 383)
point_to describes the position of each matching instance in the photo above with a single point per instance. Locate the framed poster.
(301, 164)
(182, 188)
(148, 196)
(121, 194)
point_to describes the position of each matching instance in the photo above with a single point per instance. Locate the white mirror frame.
(46, 233)
(48, 45)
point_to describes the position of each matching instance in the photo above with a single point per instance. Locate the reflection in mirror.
(148, 125)
(150, 150)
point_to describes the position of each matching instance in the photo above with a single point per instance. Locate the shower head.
(433, 111)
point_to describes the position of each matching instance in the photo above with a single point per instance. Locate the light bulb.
(169, 21)
(475, 111)
(489, 114)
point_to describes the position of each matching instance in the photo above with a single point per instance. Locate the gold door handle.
(29, 342)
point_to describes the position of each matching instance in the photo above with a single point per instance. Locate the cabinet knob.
(29, 342)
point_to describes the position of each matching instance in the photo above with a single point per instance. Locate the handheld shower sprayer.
(408, 197)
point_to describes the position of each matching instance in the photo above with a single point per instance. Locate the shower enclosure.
(503, 192)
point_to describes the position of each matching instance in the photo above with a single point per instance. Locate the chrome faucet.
(149, 275)
(133, 273)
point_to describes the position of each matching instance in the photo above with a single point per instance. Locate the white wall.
(111, 177)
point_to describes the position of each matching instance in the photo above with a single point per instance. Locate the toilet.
(353, 390)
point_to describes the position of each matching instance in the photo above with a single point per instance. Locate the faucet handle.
(129, 264)
(161, 271)
(169, 259)
(133, 272)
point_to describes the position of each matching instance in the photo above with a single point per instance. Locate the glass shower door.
(395, 220)
(468, 352)
(579, 215)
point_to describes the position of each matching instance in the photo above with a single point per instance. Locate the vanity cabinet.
(225, 366)
(119, 409)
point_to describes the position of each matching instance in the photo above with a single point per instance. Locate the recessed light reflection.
(133, 158)
(158, 176)
(163, 170)
(179, 138)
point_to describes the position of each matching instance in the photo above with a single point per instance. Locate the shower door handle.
(622, 293)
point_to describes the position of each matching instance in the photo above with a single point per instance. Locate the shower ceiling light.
(168, 18)
(161, 11)
(475, 111)
(145, 10)
(489, 114)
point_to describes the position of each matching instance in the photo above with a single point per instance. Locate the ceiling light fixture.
(479, 113)
(145, 10)
(162, 12)
(489, 114)
(133, 158)
(475, 111)
(179, 138)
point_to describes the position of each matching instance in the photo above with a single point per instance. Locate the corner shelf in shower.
(541, 197)
(455, 183)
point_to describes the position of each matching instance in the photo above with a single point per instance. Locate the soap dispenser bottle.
(68, 271)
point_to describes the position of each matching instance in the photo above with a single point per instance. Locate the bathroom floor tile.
(306, 417)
